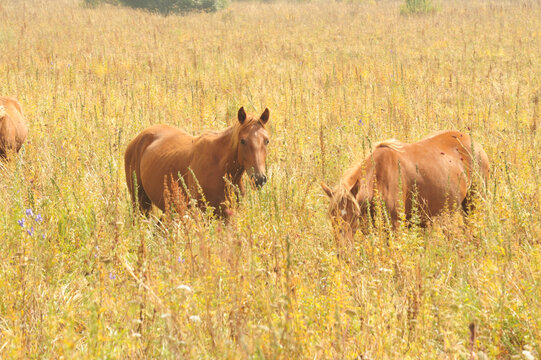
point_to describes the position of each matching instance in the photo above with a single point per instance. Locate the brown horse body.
(13, 129)
(437, 172)
(160, 153)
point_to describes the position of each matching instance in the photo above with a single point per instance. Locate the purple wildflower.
(29, 212)
(112, 276)
(31, 231)
(180, 259)
(360, 122)
(21, 222)
(38, 218)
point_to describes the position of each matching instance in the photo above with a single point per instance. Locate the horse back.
(437, 171)
(471, 154)
(156, 155)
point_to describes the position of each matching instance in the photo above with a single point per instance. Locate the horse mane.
(391, 144)
(361, 174)
(351, 176)
(3, 112)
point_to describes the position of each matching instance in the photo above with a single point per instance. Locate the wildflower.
(31, 231)
(29, 212)
(38, 218)
(180, 259)
(43, 236)
(21, 222)
(361, 122)
(195, 319)
(112, 276)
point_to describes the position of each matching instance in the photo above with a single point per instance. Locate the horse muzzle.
(259, 179)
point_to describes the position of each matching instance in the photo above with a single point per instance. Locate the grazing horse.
(434, 173)
(13, 129)
(160, 155)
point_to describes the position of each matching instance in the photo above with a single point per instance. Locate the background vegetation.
(167, 7)
(417, 7)
(80, 278)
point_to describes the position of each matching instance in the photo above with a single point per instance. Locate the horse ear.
(265, 116)
(355, 189)
(241, 115)
(327, 189)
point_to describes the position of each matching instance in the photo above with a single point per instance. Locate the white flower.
(184, 287)
(195, 319)
(528, 355)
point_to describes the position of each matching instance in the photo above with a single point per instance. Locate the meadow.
(82, 276)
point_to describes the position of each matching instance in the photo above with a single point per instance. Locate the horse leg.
(468, 204)
(473, 195)
(138, 195)
(145, 205)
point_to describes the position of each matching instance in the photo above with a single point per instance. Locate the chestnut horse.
(13, 129)
(161, 153)
(438, 172)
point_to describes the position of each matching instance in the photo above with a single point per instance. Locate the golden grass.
(89, 282)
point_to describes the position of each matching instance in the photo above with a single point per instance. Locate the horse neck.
(360, 181)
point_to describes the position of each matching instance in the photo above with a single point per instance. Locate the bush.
(167, 7)
(94, 3)
(417, 7)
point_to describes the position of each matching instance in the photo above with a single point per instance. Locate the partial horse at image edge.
(13, 128)
(441, 170)
(156, 157)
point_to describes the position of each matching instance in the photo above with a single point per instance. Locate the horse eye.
(243, 142)
(266, 141)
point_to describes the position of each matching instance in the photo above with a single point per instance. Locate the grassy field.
(80, 278)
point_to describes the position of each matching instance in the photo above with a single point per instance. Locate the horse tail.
(132, 167)
(480, 172)
(482, 160)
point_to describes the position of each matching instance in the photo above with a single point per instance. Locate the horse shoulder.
(386, 176)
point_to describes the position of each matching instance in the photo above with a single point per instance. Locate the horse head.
(345, 211)
(253, 139)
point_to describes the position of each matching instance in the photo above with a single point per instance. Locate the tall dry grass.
(86, 280)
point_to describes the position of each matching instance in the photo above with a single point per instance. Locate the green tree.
(417, 7)
(167, 7)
